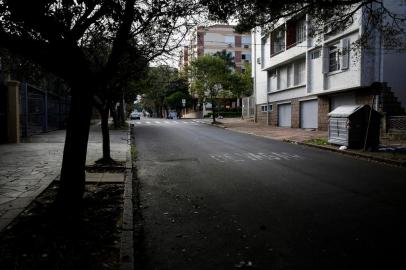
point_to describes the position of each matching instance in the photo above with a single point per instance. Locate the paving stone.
(93, 177)
(112, 178)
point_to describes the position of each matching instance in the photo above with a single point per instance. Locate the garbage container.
(352, 125)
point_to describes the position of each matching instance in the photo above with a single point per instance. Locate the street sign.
(183, 102)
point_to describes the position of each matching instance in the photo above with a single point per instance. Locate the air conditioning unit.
(230, 45)
(246, 46)
(259, 60)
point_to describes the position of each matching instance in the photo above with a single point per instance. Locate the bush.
(225, 114)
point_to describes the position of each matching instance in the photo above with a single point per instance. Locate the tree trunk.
(72, 180)
(106, 136)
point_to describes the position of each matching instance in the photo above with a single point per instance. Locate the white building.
(298, 79)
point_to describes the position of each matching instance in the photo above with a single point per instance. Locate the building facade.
(216, 38)
(299, 79)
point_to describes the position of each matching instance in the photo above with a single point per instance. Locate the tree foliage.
(89, 44)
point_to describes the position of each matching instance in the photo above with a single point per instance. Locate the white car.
(135, 116)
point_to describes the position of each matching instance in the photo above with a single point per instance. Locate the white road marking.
(241, 157)
(139, 123)
(157, 122)
(148, 122)
(167, 122)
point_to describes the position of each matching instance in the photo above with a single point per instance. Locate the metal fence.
(3, 113)
(248, 107)
(41, 111)
(397, 123)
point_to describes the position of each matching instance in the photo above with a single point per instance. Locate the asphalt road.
(216, 199)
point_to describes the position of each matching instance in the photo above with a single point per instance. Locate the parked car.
(172, 115)
(135, 115)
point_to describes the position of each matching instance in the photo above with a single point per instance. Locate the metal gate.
(3, 113)
(309, 114)
(41, 111)
(248, 107)
(284, 115)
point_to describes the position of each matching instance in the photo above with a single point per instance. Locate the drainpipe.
(255, 74)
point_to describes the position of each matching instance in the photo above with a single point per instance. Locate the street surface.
(215, 199)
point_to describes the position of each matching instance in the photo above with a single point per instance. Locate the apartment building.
(216, 38)
(299, 79)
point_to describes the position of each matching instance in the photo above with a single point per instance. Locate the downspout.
(255, 75)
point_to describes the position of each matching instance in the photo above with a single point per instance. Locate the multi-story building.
(213, 39)
(216, 38)
(299, 79)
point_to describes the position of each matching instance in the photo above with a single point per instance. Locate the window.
(334, 58)
(296, 31)
(229, 40)
(300, 72)
(246, 56)
(264, 108)
(270, 108)
(278, 40)
(290, 75)
(315, 54)
(246, 40)
(300, 31)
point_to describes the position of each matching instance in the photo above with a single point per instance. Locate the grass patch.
(318, 141)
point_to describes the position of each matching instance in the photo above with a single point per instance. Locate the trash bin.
(352, 125)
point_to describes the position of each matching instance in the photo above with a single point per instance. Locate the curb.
(359, 155)
(127, 234)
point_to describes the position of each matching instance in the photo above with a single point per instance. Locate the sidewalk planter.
(352, 125)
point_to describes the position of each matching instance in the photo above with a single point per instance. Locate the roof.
(345, 111)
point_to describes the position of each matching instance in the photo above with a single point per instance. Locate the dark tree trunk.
(72, 180)
(106, 136)
(115, 117)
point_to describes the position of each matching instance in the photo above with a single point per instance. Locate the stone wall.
(261, 117)
(323, 110)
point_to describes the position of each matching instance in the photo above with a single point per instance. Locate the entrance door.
(285, 115)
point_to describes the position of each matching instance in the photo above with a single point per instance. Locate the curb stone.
(360, 155)
(127, 239)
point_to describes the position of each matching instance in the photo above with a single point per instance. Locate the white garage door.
(308, 114)
(285, 115)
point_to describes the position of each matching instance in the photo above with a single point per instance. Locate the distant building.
(215, 38)
(298, 79)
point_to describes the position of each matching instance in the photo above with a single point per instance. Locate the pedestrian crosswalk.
(161, 122)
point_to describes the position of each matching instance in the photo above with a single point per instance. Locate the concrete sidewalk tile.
(112, 178)
(93, 177)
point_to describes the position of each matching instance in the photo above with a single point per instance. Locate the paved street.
(216, 199)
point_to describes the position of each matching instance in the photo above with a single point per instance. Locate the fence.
(397, 123)
(41, 111)
(248, 107)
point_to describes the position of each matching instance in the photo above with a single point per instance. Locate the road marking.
(167, 122)
(148, 122)
(157, 122)
(260, 156)
(139, 123)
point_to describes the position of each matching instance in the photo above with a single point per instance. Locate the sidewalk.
(276, 133)
(312, 138)
(26, 169)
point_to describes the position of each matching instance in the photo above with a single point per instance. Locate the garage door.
(285, 115)
(308, 114)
